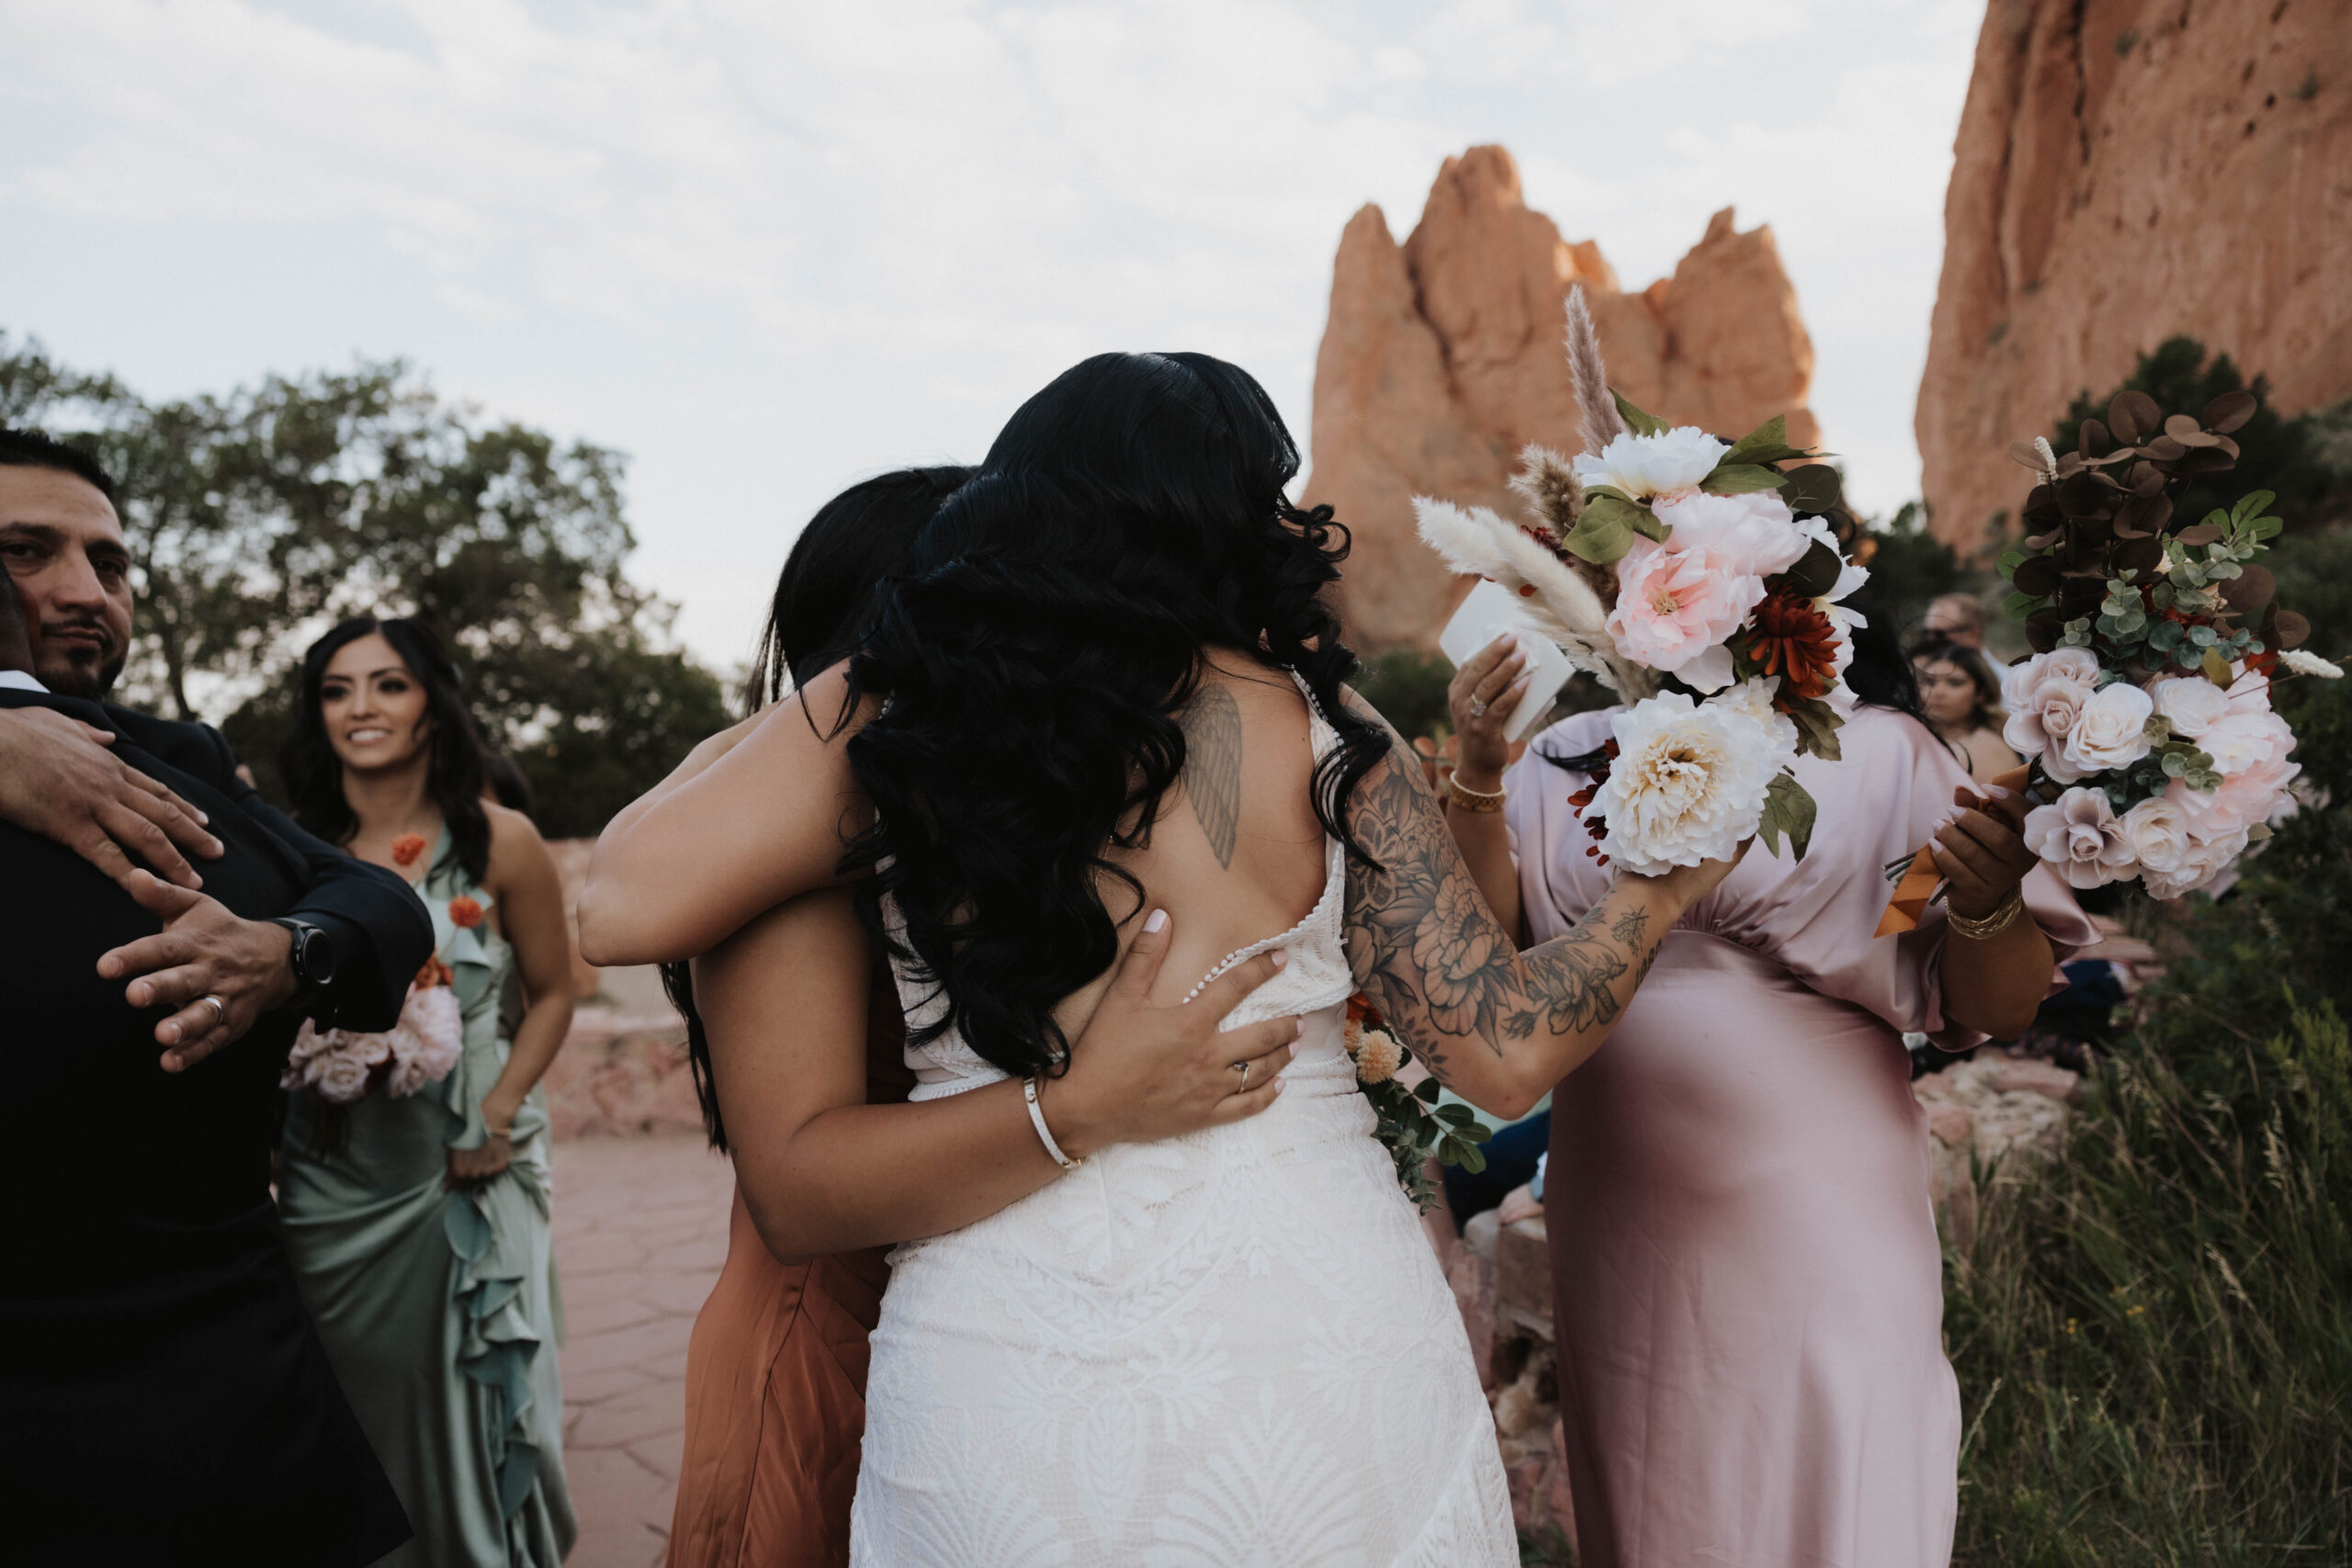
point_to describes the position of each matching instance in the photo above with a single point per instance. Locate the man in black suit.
(163, 1397)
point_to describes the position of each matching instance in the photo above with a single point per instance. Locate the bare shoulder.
(517, 852)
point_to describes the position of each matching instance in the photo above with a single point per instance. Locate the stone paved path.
(640, 1231)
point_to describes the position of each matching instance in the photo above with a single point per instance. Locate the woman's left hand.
(472, 1167)
(1983, 853)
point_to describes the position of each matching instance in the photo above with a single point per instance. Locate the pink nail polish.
(1293, 1050)
(1281, 958)
(1154, 921)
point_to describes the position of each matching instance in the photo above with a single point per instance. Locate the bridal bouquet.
(2143, 712)
(343, 1066)
(1667, 559)
(1412, 1124)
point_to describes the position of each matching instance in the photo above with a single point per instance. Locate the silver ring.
(219, 1009)
(1478, 708)
(1244, 1068)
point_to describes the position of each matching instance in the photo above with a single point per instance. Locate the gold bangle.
(1471, 800)
(1988, 926)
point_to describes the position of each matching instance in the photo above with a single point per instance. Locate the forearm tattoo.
(1212, 776)
(1435, 961)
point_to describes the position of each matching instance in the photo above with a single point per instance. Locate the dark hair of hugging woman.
(824, 597)
(1035, 652)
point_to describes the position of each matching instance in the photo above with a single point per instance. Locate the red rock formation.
(1442, 358)
(2127, 170)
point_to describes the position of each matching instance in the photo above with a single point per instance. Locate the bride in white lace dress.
(1107, 687)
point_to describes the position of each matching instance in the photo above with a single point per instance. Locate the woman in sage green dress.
(418, 1222)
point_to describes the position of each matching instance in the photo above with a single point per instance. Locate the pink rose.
(1675, 606)
(2244, 740)
(2155, 833)
(2077, 836)
(2250, 691)
(2043, 695)
(340, 1077)
(1754, 535)
(2251, 795)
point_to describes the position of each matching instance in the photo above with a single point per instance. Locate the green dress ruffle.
(440, 1309)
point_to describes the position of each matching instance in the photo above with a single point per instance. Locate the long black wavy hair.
(313, 773)
(824, 598)
(1031, 660)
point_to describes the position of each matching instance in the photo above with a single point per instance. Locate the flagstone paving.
(640, 1231)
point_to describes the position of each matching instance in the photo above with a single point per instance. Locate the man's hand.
(202, 951)
(58, 779)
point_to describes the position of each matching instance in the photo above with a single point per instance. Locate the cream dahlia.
(1689, 781)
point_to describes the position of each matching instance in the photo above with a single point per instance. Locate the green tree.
(259, 517)
(1909, 566)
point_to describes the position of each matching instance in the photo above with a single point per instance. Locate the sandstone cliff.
(2126, 170)
(1442, 358)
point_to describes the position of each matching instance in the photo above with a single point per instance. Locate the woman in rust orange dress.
(775, 1372)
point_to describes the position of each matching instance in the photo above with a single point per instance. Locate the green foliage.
(1408, 688)
(1910, 567)
(2298, 459)
(2152, 1339)
(258, 518)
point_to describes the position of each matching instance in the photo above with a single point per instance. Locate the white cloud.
(766, 249)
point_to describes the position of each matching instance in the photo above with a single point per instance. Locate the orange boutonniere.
(407, 847)
(465, 913)
(434, 973)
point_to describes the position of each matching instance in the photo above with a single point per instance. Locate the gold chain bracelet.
(1987, 927)
(1471, 800)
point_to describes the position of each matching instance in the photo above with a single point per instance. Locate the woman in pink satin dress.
(1747, 1284)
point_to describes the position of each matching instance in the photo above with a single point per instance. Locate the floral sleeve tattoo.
(1435, 961)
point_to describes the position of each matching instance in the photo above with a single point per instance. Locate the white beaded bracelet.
(1045, 1134)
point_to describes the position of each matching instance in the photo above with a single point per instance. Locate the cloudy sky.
(766, 249)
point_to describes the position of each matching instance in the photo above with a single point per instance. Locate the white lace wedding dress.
(1229, 1349)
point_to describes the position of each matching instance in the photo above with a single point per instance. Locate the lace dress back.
(1230, 1347)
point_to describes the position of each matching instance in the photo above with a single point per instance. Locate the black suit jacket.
(163, 1396)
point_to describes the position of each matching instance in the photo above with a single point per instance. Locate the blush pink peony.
(1674, 607)
(1755, 535)
(2245, 740)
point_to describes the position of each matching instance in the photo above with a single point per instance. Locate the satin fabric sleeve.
(1881, 804)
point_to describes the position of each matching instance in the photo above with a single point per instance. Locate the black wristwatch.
(312, 956)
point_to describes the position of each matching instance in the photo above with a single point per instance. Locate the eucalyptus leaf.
(1817, 572)
(1812, 490)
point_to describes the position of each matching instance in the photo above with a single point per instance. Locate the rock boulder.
(2126, 171)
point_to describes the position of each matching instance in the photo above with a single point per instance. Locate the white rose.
(2157, 833)
(2245, 740)
(2043, 694)
(2193, 703)
(2075, 835)
(2110, 731)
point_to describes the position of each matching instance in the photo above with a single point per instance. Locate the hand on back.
(1140, 1073)
(59, 779)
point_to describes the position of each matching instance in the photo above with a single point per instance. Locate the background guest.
(1956, 617)
(1962, 703)
(418, 1224)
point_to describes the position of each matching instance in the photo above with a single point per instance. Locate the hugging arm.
(1498, 1026)
(756, 816)
(784, 1001)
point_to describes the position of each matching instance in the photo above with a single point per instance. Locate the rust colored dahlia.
(1791, 638)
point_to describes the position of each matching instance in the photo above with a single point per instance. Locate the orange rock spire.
(1442, 358)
